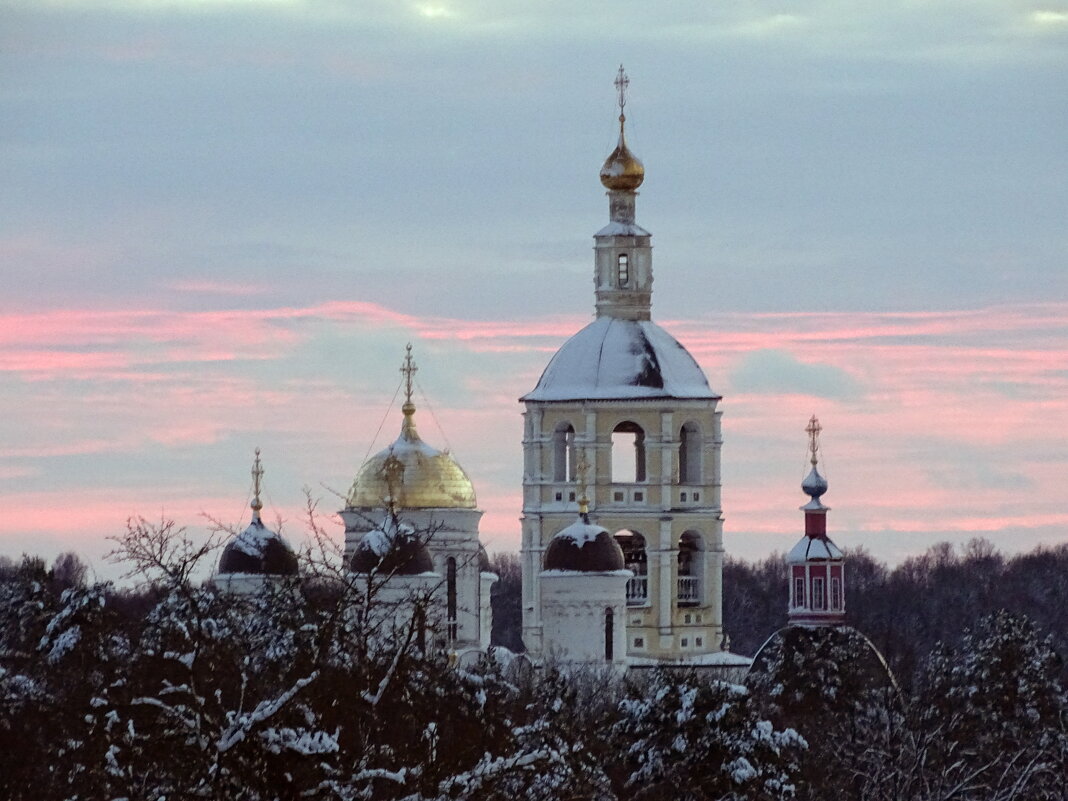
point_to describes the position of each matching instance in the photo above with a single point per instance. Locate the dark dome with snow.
(400, 553)
(584, 547)
(612, 359)
(258, 550)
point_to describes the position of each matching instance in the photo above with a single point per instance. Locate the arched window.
(623, 269)
(564, 452)
(628, 453)
(636, 560)
(419, 623)
(690, 454)
(609, 627)
(691, 569)
(450, 597)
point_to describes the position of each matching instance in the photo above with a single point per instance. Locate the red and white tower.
(816, 566)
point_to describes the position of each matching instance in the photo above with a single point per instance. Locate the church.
(621, 520)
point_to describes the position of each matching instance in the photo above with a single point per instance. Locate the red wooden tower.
(816, 566)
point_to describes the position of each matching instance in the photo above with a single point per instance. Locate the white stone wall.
(573, 612)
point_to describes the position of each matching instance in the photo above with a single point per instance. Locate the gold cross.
(622, 82)
(813, 430)
(257, 475)
(409, 369)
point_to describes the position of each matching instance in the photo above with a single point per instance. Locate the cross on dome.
(813, 430)
(257, 476)
(582, 469)
(409, 369)
(621, 83)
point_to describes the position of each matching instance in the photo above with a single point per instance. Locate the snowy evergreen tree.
(688, 738)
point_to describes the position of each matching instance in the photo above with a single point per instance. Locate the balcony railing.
(637, 591)
(689, 590)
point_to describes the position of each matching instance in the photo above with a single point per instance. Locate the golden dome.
(410, 474)
(622, 170)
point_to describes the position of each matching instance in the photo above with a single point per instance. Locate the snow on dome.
(814, 484)
(258, 550)
(616, 228)
(393, 548)
(813, 548)
(584, 547)
(614, 359)
(413, 475)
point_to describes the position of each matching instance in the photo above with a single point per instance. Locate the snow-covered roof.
(583, 547)
(613, 359)
(393, 548)
(813, 548)
(622, 229)
(716, 659)
(258, 550)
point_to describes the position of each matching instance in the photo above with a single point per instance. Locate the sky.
(221, 221)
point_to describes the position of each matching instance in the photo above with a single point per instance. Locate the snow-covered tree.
(689, 738)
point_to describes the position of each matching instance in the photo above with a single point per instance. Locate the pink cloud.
(990, 383)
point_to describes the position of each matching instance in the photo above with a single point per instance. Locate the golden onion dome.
(410, 474)
(622, 170)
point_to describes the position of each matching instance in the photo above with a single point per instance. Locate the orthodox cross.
(409, 370)
(581, 469)
(257, 476)
(622, 82)
(813, 430)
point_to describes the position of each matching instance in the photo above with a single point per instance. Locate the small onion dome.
(412, 475)
(258, 550)
(814, 484)
(817, 549)
(622, 170)
(584, 547)
(400, 552)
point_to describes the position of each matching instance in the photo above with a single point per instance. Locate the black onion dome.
(584, 547)
(259, 551)
(400, 553)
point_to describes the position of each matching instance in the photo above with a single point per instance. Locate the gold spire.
(813, 430)
(622, 170)
(257, 476)
(409, 370)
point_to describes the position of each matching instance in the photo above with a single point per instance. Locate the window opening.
(818, 599)
(799, 592)
(564, 459)
(609, 618)
(636, 560)
(628, 453)
(623, 269)
(836, 593)
(690, 454)
(690, 569)
(450, 593)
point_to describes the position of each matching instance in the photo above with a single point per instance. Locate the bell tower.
(624, 410)
(623, 255)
